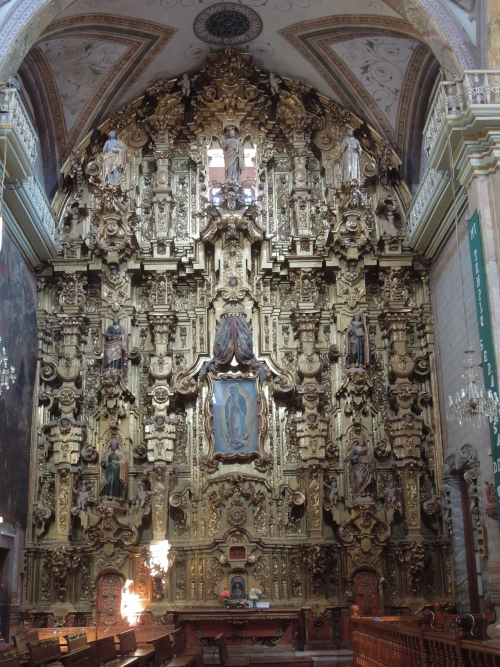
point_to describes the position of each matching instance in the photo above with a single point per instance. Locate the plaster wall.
(451, 341)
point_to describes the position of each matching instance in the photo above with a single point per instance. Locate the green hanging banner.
(485, 338)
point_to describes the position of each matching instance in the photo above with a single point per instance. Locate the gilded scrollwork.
(294, 280)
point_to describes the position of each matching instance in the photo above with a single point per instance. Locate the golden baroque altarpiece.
(336, 500)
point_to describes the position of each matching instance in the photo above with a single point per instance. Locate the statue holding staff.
(351, 149)
(234, 157)
(115, 347)
(114, 158)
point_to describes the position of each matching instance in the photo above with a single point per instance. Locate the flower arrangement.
(232, 604)
(254, 595)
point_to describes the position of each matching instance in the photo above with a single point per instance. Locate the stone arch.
(25, 20)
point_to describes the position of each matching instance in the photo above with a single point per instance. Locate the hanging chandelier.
(6, 376)
(472, 404)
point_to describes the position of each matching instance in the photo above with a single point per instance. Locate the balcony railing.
(478, 91)
(421, 644)
(27, 212)
(13, 114)
(422, 197)
(45, 212)
(454, 98)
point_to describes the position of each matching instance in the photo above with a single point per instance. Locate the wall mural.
(246, 374)
(18, 300)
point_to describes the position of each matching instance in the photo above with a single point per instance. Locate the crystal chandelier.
(472, 404)
(6, 376)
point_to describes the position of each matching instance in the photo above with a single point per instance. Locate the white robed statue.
(351, 149)
(234, 157)
(114, 158)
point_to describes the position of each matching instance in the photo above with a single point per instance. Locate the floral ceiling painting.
(380, 65)
(79, 67)
(87, 64)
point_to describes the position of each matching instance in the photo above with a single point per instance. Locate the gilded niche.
(229, 361)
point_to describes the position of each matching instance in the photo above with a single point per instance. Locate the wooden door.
(366, 594)
(109, 600)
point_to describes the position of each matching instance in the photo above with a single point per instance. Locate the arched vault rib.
(432, 20)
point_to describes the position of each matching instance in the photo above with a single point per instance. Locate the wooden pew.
(163, 650)
(44, 651)
(225, 660)
(10, 658)
(105, 654)
(84, 657)
(128, 647)
(21, 642)
(181, 648)
(77, 641)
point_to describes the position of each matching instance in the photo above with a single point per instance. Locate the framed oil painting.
(235, 421)
(235, 416)
(237, 588)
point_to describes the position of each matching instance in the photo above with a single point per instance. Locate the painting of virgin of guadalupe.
(236, 419)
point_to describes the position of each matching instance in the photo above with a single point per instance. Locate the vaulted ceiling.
(100, 54)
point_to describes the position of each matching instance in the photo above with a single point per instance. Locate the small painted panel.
(237, 588)
(236, 421)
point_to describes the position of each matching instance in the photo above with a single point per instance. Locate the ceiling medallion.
(227, 24)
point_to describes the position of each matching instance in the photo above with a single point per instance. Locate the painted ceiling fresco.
(80, 66)
(101, 54)
(380, 66)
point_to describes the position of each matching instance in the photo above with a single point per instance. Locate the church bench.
(225, 659)
(105, 653)
(44, 651)
(128, 647)
(164, 654)
(83, 657)
(77, 641)
(163, 650)
(181, 647)
(22, 639)
(10, 658)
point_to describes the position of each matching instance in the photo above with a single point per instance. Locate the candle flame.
(131, 607)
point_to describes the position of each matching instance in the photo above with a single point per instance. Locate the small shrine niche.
(237, 552)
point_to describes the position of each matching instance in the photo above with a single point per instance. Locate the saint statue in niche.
(234, 157)
(114, 158)
(114, 474)
(115, 346)
(351, 149)
(237, 434)
(362, 471)
(357, 343)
